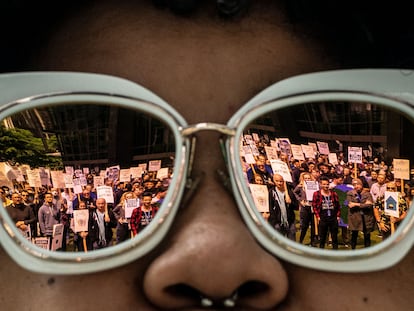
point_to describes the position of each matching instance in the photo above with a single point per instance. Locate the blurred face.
(100, 204)
(374, 175)
(48, 198)
(307, 177)
(279, 182)
(380, 179)
(16, 198)
(206, 68)
(357, 186)
(146, 201)
(258, 180)
(324, 185)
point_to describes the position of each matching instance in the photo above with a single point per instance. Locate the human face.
(380, 179)
(16, 198)
(146, 201)
(206, 68)
(100, 204)
(48, 198)
(357, 185)
(279, 182)
(324, 185)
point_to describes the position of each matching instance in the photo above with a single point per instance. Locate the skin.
(206, 73)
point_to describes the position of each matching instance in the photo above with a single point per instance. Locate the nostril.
(184, 292)
(247, 291)
(253, 288)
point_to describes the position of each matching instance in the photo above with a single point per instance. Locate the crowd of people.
(335, 202)
(36, 211)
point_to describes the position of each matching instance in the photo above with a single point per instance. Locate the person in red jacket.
(143, 214)
(327, 209)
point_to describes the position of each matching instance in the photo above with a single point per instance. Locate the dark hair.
(147, 194)
(323, 177)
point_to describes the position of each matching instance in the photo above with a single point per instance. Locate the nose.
(211, 254)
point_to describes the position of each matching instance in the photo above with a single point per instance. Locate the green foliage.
(21, 146)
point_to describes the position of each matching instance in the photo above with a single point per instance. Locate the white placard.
(125, 175)
(58, 180)
(260, 195)
(80, 220)
(271, 153)
(98, 181)
(106, 193)
(311, 186)
(281, 168)
(162, 173)
(332, 158)
(130, 205)
(136, 172)
(297, 152)
(323, 147)
(42, 242)
(68, 179)
(154, 165)
(33, 178)
(401, 169)
(355, 154)
(248, 155)
(308, 151)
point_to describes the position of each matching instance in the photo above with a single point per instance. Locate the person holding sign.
(143, 214)
(123, 230)
(326, 206)
(389, 210)
(306, 214)
(103, 220)
(360, 213)
(81, 226)
(282, 203)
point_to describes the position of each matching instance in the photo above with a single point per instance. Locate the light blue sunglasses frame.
(388, 88)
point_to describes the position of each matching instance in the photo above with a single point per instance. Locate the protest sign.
(106, 193)
(57, 237)
(355, 154)
(311, 186)
(81, 220)
(281, 168)
(401, 169)
(391, 207)
(260, 195)
(42, 242)
(323, 147)
(130, 205)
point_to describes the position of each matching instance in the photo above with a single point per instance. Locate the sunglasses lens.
(286, 151)
(86, 152)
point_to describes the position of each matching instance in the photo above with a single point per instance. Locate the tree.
(20, 146)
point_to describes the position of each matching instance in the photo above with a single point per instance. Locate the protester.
(326, 206)
(360, 213)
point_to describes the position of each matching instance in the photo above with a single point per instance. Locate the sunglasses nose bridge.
(191, 129)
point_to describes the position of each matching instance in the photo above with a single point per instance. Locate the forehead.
(221, 65)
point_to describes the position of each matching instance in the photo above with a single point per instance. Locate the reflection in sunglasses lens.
(83, 162)
(304, 165)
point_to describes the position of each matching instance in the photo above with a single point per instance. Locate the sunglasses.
(86, 111)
